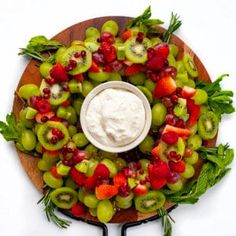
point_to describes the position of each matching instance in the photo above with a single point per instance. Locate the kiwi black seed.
(44, 134)
(149, 202)
(137, 51)
(208, 125)
(64, 197)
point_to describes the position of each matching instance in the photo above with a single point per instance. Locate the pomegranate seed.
(54, 139)
(141, 172)
(68, 68)
(61, 135)
(154, 77)
(155, 64)
(140, 37)
(167, 102)
(50, 81)
(65, 87)
(151, 53)
(46, 91)
(124, 190)
(138, 165)
(188, 152)
(174, 98)
(178, 91)
(66, 104)
(77, 55)
(98, 58)
(55, 131)
(178, 167)
(83, 53)
(116, 65)
(174, 156)
(170, 110)
(46, 96)
(170, 138)
(143, 181)
(173, 177)
(180, 123)
(107, 37)
(73, 63)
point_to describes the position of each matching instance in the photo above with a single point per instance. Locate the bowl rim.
(120, 85)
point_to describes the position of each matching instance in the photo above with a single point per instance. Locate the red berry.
(140, 189)
(46, 91)
(119, 179)
(43, 106)
(54, 139)
(158, 183)
(155, 63)
(102, 171)
(134, 69)
(83, 53)
(124, 190)
(77, 55)
(77, 176)
(158, 170)
(107, 37)
(50, 81)
(78, 209)
(178, 167)
(162, 50)
(54, 172)
(171, 138)
(58, 73)
(151, 53)
(90, 182)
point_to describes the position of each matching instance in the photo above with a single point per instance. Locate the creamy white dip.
(115, 117)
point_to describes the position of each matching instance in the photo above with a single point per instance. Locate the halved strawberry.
(158, 183)
(178, 167)
(158, 170)
(193, 111)
(140, 189)
(180, 131)
(164, 87)
(106, 191)
(187, 92)
(78, 209)
(134, 69)
(78, 177)
(58, 73)
(94, 67)
(126, 35)
(102, 171)
(44, 117)
(90, 182)
(119, 179)
(54, 172)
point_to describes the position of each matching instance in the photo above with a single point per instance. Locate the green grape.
(115, 76)
(59, 53)
(91, 150)
(103, 154)
(189, 171)
(72, 130)
(122, 200)
(81, 194)
(180, 67)
(111, 166)
(194, 141)
(173, 49)
(171, 60)
(150, 85)
(194, 129)
(39, 148)
(92, 32)
(87, 87)
(71, 113)
(124, 205)
(193, 159)
(147, 144)
(190, 83)
(80, 140)
(28, 90)
(176, 186)
(28, 139)
(204, 109)
(91, 167)
(26, 123)
(105, 211)
(49, 158)
(45, 68)
(91, 40)
(71, 183)
(137, 79)
(183, 77)
(200, 96)
(93, 212)
(159, 112)
(77, 104)
(91, 201)
(110, 26)
(120, 163)
(43, 165)
(74, 86)
(51, 181)
(144, 164)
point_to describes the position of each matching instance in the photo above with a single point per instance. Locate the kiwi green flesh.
(64, 197)
(44, 135)
(83, 64)
(208, 125)
(137, 52)
(149, 202)
(58, 96)
(190, 66)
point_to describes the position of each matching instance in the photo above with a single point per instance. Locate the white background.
(208, 28)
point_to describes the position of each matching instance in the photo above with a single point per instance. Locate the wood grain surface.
(32, 75)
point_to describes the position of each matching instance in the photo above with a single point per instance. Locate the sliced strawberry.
(126, 35)
(94, 67)
(181, 132)
(54, 172)
(158, 170)
(119, 179)
(44, 117)
(106, 191)
(187, 92)
(79, 77)
(170, 137)
(164, 87)
(90, 182)
(134, 69)
(77, 176)
(193, 111)
(140, 189)
(158, 183)
(78, 209)
(178, 167)
(58, 73)
(102, 171)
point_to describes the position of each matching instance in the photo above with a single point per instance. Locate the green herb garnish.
(174, 24)
(50, 208)
(166, 222)
(211, 173)
(39, 45)
(219, 101)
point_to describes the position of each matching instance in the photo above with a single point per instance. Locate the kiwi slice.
(190, 66)
(147, 93)
(149, 202)
(208, 125)
(58, 95)
(83, 63)
(64, 197)
(135, 51)
(44, 135)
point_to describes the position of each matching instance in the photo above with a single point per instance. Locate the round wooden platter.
(32, 75)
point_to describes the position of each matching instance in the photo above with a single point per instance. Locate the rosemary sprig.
(166, 222)
(174, 24)
(50, 208)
